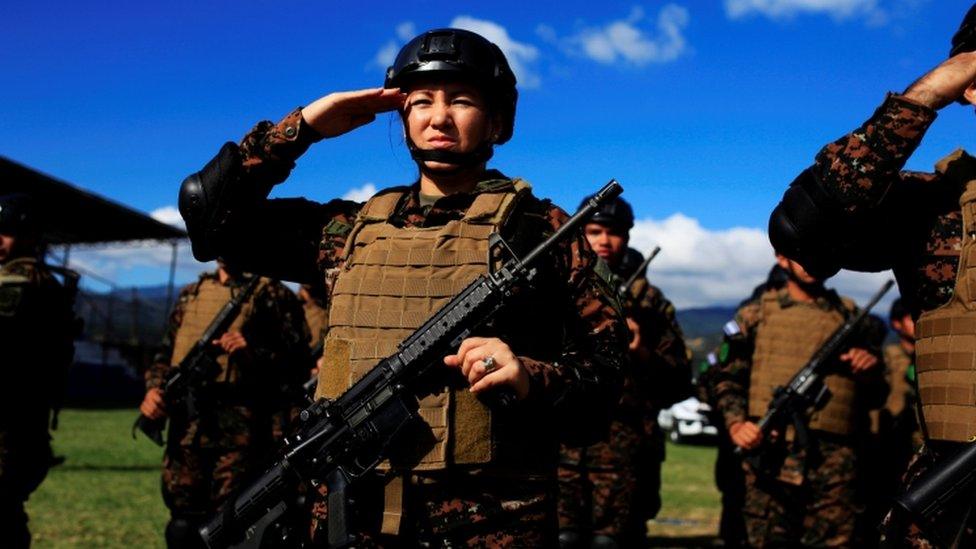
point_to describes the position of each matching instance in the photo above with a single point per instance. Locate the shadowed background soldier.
(230, 427)
(802, 489)
(609, 490)
(37, 329)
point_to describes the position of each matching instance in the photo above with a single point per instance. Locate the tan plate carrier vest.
(392, 281)
(786, 338)
(209, 298)
(945, 347)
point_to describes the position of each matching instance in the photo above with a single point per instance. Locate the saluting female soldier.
(472, 473)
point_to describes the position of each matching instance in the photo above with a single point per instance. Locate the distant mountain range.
(703, 328)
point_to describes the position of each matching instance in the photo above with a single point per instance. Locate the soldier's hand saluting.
(952, 80)
(502, 366)
(342, 112)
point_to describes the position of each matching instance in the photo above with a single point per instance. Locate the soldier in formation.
(37, 330)
(801, 491)
(834, 216)
(473, 473)
(609, 490)
(236, 422)
(729, 476)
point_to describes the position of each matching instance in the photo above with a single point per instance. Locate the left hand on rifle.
(861, 360)
(505, 368)
(231, 342)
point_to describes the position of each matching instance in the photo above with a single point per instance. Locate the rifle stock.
(341, 440)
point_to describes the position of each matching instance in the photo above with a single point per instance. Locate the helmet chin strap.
(479, 155)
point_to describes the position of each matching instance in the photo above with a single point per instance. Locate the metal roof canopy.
(69, 215)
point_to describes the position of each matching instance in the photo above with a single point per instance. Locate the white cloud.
(169, 215)
(625, 41)
(785, 9)
(119, 263)
(406, 30)
(360, 194)
(385, 56)
(521, 55)
(699, 267)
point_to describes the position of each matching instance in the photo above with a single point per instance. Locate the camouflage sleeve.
(858, 169)
(730, 380)
(278, 238)
(157, 371)
(269, 150)
(669, 358)
(583, 384)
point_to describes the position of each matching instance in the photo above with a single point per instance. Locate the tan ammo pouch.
(209, 298)
(786, 338)
(945, 347)
(392, 281)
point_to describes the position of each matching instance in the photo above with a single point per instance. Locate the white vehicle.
(687, 420)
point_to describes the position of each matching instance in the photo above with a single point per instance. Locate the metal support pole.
(170, 285)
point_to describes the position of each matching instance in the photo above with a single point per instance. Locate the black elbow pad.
(804, 227)
(204, 201)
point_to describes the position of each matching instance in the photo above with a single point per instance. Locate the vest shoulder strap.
(381, 206)
(494, 208)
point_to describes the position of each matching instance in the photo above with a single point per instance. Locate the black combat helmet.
(463, 55)
(965, 37)
(613, 213)
(17, 216)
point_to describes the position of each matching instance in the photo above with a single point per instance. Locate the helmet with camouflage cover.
(457, 54)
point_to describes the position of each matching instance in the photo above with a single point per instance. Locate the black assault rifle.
(624, 289)
(932, 501)
(343, 439)
(807, 390)
(197, 368)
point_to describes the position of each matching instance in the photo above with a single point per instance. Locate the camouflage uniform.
(862, 172)
(238, 423)
(568, 335)
(612, 488)
(803, 495)
(36, 334)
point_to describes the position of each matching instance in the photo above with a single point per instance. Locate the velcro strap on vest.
(392, 506)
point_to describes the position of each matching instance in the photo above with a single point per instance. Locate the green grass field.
(106, 494)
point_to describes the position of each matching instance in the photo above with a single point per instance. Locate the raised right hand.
(945, 83)
(745, 434)
(342, 112)
(152, 405)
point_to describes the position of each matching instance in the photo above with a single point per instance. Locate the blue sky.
(703, 110)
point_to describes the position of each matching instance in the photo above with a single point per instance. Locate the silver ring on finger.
(489, 362)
